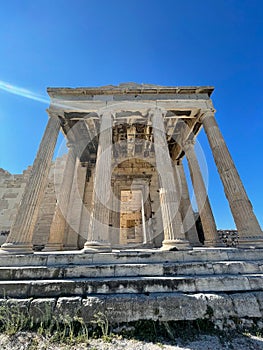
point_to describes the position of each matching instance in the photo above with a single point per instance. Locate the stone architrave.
(98, 237)
(247, 225)
(21, 235)
(172, 222)
(57, 229)
(204, 207)
(185, 205)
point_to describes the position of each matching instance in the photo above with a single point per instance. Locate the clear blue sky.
(168, 42)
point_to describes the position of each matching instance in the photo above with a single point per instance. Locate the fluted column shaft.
(85, 213)
(147, 209)
(186, 206)
(114, 230)
(247, 225)
(204, 207)
(99, 221)
(58, 225)
(169, 199)
(20, 237)
(116, 205)
(76, 206)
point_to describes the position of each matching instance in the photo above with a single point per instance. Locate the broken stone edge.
(223, 310)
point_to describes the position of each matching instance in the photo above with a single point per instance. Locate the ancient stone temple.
(113, 216)
(124, 183)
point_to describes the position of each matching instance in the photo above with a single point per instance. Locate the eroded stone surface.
(246, 305)
(220, 309)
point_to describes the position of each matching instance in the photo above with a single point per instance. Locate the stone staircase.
(151, 271)
(167, 282)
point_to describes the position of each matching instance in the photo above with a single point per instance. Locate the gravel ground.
(30, 341)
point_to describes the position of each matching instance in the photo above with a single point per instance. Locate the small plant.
(33, 345)
(102, 322)
(69, 330)
(56, 328)
(13, 320)
(169, 330)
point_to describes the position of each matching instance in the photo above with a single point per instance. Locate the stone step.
(131, 256)
(122, 307)
(130, 270)
(144, 285)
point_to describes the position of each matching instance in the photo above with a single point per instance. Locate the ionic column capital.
(209, 113)
(106, 119)
(107, 113)
(157, 110)
(52, 114)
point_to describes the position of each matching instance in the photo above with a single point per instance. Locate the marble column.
(250, 233)
(169, 200)
(185, 205)
(76, 206)
(20, 237)
(99, 222)
(59, 223)
(204, 207)
(115, 230)
(86, 208)
(146, 215)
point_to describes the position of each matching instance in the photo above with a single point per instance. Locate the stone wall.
(11, 191)
(47, 207)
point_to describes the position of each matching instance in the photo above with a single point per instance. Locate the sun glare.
(16, 90)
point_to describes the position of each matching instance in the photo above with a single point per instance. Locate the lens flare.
(16, 90)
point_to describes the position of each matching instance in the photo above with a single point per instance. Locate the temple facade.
(123, 183)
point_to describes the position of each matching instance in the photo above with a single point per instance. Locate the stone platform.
(132, 285)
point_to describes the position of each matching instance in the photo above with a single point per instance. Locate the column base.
(70, 247)
(147, 245)
(196, 244)
(211, 244)
(250, 243)
(16, 248)
(53, 247)
(96, 247)
(192, 237)
(177, 244)
(193, 241)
